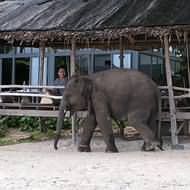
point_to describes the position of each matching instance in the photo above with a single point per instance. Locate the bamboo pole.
(72, 70)
(171, 94)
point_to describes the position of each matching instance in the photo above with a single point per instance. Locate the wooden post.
(174, 137)
(121, 56)
(1, 62)
(187, 54)
(40, 82)
(41, 67)
(188, 70)
(73, 57)
(72, 70)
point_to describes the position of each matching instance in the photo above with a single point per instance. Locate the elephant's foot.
(150, 146)
(111, 150)
(84, 148)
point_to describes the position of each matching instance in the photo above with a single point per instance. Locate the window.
(34, 70)
(82, 64)
(6, 71)
(35, 50)
(158, 74)
(145, 64)
(126, 61)
(22, 70)
(6, 49)
(153, 66)
(62, 61)
(23, 50)
(102, 62)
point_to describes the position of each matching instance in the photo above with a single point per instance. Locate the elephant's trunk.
(60, 122)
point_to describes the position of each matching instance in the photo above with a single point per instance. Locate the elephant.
(120, 94)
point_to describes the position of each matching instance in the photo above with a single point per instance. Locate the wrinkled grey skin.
(119, 94)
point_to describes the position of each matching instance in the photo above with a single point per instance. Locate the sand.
(37, 166)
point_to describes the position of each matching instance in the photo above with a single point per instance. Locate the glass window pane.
(173, 67)
(156, 70)
(22, 68)
(116, 61)
(161, 70)
(145, 64)
(35, 50)
(6, 49)
(6, 71)
(82, 62)
(35, 70)
(23, 50)
(102, 62)
(126, 61)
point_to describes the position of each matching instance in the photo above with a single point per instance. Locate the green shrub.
(3, 131)
(3, 127)
(30, 123)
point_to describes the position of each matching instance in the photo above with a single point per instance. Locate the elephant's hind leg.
(154, 125)
(139, 121)
(88, 129)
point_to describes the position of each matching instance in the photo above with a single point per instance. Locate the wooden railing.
(31, 109)
(27, 91)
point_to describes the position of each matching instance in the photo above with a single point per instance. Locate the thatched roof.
(59, 20)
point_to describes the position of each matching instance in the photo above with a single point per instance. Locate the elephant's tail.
(59, 125)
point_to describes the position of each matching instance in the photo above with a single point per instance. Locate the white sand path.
(36, 166)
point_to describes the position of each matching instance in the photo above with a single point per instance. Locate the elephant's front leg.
(104, 122)
(88, 128)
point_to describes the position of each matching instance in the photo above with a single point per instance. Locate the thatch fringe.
(95, 38)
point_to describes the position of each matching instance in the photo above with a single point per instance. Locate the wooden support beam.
(1, 62)
(174, 137)
(72, 72)
(121, 49)
(187, 54)
(73, 57)
(121, 57)
(41, 66)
